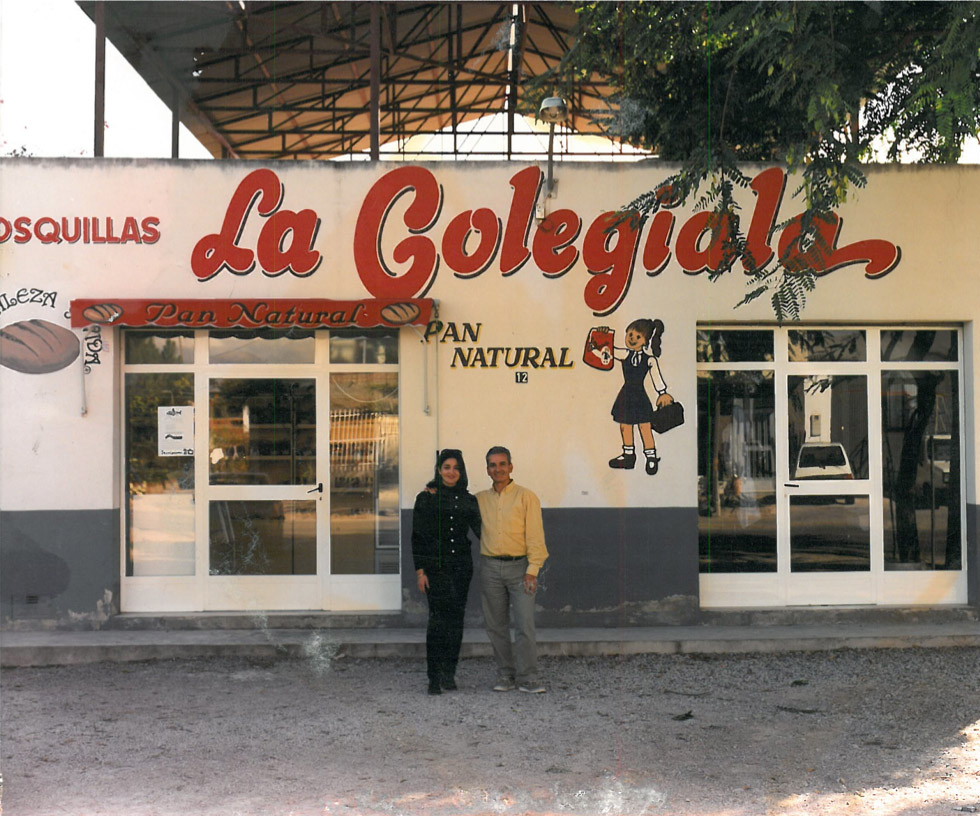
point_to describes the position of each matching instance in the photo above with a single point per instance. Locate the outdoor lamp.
(553, 110)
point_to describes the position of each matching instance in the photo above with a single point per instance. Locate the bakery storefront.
(223, 386)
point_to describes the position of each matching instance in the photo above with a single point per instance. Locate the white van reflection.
(823, 460)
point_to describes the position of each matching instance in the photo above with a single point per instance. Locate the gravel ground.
(892, 732)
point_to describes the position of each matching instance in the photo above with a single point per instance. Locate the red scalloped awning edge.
(250, 313)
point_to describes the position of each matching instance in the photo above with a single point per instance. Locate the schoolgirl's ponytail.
(658, 331)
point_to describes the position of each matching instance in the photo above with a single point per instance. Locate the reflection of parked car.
(823, 460)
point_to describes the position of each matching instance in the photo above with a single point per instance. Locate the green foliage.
(811, 85)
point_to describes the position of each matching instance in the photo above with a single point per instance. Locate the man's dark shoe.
(434, 687)
(625, 461)
(449, 684)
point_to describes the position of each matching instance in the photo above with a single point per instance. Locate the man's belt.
(506, 557)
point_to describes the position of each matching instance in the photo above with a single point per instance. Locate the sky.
(47, 81)
(47, 89)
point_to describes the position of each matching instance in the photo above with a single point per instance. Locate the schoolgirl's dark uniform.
(441, 522)
(632, 405)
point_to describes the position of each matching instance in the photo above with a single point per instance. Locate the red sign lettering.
(279, 313)
(85, 230)
(398, 249)
(421, 214)
(285, 243)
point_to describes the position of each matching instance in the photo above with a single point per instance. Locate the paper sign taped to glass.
(175, 430)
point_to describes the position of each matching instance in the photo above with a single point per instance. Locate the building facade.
(222, 387)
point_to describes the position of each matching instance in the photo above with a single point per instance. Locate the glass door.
(264, 485)
(264, 489)
(827, 489)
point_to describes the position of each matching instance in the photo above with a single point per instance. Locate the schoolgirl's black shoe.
(625, 461)
(653, 464)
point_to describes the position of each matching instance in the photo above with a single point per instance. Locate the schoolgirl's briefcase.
(667, 417)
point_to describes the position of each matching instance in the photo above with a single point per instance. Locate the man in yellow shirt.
(512, 551)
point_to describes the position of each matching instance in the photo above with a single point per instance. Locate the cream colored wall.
(557, 424)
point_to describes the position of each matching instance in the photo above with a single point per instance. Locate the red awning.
(272, 313)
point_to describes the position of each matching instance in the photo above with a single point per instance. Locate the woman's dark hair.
(652, 330)
(451, 453)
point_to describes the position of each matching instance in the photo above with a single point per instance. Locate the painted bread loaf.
(37, 346)
(103, 313)
(398, 314)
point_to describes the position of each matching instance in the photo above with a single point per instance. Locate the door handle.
(317, 489)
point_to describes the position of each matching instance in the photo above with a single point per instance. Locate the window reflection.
(262, 537)
(364, 473)
(828, 346)
(736, 471)
(734, 346)
(160, 489)
(918, 345)
(828, 427)
(830, 533)
(364, 346)
(159, 348)
(262, 432)
(921, 464)
(261, 346)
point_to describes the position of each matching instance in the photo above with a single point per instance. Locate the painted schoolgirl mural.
(639, 359)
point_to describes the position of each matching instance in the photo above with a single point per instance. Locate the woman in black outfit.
(444, 514)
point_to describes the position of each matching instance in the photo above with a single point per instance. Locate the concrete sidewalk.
(57, 647)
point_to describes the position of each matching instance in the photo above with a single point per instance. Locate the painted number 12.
(520, 376)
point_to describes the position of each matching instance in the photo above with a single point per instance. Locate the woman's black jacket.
(441, 522)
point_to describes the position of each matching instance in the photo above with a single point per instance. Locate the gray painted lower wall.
(60, 565)
(631, 567)
(606, 567)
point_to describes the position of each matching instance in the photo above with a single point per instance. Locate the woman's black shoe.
(434, 687)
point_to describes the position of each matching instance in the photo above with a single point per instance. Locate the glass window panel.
(736, 471)
(921, 470)
(364, 346)
(734, 346)
(828, 346)
(364, 537)
(918, 345)
(160, 489)
(830, 533)
(261, 346)
(262, 431)
(159, 347)
(262, 537)
(836, 407)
